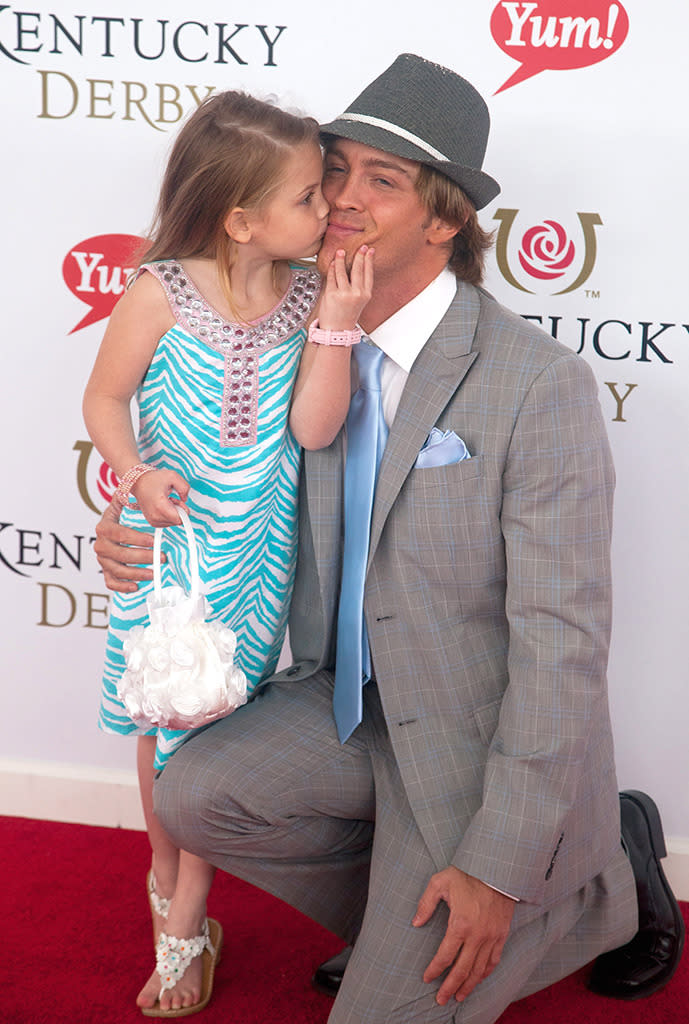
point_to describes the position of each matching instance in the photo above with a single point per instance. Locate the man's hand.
(479, 924)
(123, 553)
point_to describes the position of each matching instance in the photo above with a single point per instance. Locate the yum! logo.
(96, 271)
(545, 252)
(557, 34)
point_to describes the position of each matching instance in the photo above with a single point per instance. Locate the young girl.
(210, 338)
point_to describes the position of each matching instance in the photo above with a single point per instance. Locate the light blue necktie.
(366, 437)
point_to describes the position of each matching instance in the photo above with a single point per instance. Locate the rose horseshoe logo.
(545, 252)
(105, 482)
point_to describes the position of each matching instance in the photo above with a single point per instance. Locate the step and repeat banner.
(589, 141)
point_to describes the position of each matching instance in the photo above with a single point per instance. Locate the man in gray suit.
(467, 833)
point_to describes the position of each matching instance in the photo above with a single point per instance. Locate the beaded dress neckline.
(240, 344)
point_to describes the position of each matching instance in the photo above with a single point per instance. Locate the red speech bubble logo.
(557, 34)
(96, 271)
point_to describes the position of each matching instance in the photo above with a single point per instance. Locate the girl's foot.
(187, 991)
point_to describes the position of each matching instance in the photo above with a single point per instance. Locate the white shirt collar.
(403, 335)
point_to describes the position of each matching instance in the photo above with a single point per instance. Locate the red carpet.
(77, 944)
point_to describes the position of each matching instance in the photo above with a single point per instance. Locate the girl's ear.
(237, 225)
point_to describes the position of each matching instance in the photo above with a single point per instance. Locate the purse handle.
(193, 558)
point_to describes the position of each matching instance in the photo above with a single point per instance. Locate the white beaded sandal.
(174, 955)
(160, 905)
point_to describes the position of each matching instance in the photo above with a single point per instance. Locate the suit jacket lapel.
(435, 376)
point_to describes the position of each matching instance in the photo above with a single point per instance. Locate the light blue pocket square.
(442, 448)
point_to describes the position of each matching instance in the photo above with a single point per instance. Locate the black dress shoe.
(328, 977)
(647, 963)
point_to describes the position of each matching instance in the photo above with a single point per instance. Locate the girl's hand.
(323, 387)
(152, 492)
(345, 295)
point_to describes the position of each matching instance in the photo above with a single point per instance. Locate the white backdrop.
(590, 147)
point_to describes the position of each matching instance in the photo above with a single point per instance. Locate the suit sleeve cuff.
(502, 893)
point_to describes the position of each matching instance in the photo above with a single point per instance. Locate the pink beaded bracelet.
(121, 495)
(321, 336)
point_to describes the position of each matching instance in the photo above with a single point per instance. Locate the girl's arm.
(323, 388)
(138, 321)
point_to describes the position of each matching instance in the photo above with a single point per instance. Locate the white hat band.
(378, 122)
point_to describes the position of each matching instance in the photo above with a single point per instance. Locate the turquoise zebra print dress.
(214, 406)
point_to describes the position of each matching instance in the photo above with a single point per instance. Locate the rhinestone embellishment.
(241, 344)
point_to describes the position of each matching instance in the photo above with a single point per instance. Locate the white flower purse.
(180, 669)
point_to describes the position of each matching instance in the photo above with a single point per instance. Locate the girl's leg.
(181, 876)
(164, 853)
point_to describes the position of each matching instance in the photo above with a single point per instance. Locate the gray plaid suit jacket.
(487, 603)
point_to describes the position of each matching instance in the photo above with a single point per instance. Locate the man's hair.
(443, 198)
(231, 152)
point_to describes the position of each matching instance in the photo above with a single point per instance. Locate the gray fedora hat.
(425, 112)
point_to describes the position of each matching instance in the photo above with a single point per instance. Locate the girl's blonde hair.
(231, 152)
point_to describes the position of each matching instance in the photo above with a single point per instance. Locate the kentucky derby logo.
(94, 479)
(546, 253)
(96, 271)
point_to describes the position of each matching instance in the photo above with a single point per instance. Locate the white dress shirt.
(404, 334)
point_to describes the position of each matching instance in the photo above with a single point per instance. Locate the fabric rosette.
(180, 670)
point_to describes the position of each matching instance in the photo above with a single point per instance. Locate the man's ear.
(439, 232)
(237, 225)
